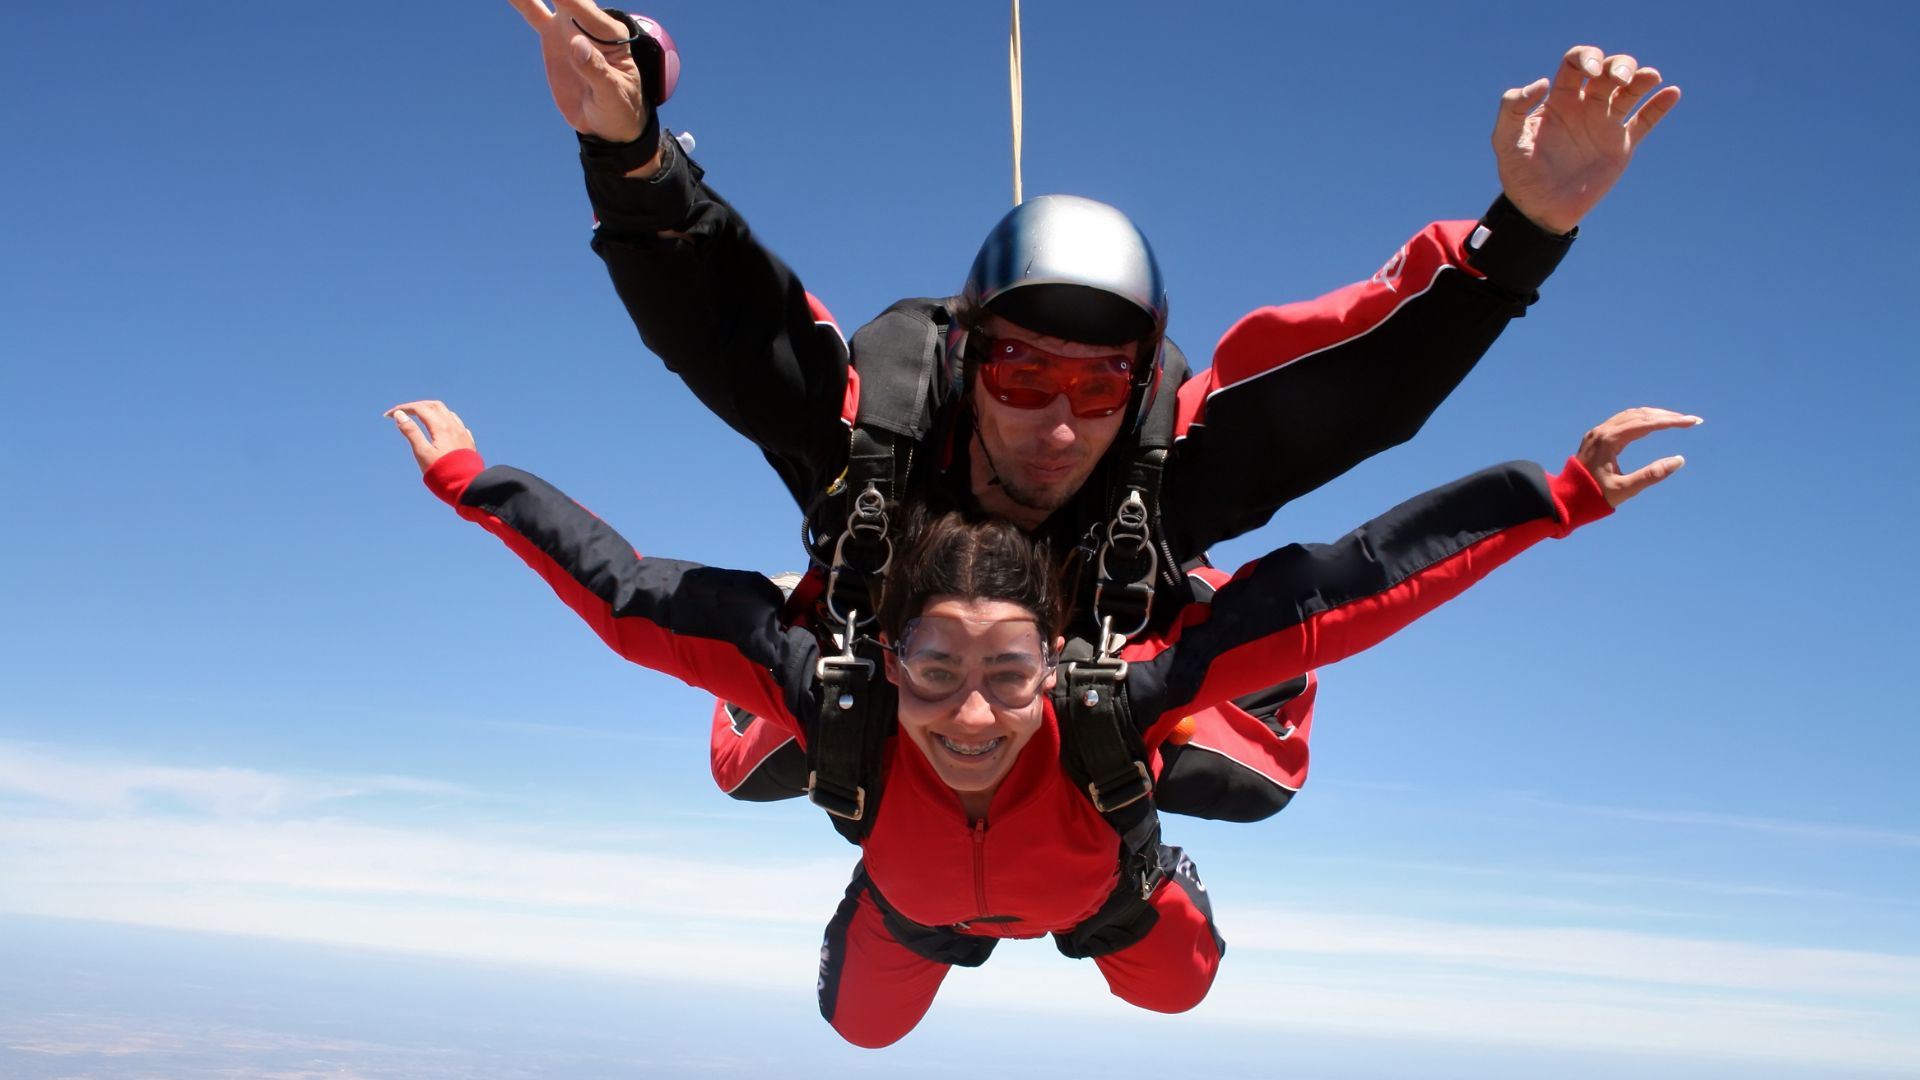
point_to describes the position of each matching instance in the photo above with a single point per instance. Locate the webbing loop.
(867, 531)
(1129, 540)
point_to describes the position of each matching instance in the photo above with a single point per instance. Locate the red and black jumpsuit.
(1295, 396)
(1042, 861)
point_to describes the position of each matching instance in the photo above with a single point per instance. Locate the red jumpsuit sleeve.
(716, 629)
(1307, 605)
(1298, 394)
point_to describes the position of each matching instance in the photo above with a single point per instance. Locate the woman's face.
(972, 676)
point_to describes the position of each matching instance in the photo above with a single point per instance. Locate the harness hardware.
(866, 528)
(847, 806)
(1129, 539)
(1133, 788)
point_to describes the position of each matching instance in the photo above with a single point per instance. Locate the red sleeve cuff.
(449, 477)
(1577, 498)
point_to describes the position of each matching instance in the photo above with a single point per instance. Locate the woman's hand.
(1600, 451)
(443, 435)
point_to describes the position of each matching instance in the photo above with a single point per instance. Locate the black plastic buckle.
(852, 806)
(1134, 787)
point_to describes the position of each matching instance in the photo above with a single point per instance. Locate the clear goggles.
(942, 660)
(1026, 376)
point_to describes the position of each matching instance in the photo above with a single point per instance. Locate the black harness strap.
(1100, 748)
(845, 745)
(1100, 744)
(851, 537)
(1106, 750)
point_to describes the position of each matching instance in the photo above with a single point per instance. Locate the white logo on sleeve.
(1389, 275)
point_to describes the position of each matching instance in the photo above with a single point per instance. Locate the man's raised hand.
(597, 87)
(1558, 159)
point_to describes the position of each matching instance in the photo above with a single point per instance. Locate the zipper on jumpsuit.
(980, 867)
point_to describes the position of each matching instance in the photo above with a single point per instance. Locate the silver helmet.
(1070, 268)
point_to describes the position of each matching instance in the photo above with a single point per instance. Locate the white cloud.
(120, 857)
(621, 902)
(1582, 952)
(1823, 832)
(110, 786)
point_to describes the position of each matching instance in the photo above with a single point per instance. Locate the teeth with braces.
(969, 751)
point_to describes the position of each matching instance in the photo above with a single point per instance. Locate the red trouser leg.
(873, 990)
(1172, 968)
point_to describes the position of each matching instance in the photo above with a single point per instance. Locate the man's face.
(1040, 456)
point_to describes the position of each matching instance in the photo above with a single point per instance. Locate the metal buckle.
(1141, 785)
(1127, 533)
(834, 803)
(1151, 880)
(1145, 589)
(868, 521)
(833, 670)
(1131, 517)
(1115, 672)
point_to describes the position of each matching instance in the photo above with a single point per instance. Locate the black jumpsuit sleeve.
(1306, 605)
(727, 316)
(1299, 393)
(715, 629)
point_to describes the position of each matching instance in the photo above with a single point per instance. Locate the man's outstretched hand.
(597, 87)
(1558, 159)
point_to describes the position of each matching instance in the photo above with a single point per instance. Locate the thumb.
(1645, 477)
(1515, 104)
(423, 450)
(407, 427)
(587, 59)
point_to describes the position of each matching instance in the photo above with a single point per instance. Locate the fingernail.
(1622, 72)
(1697, 420)
(1592, 66)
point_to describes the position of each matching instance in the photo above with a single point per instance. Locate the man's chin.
(1044, 499)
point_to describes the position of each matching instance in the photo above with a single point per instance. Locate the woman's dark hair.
(985, 558)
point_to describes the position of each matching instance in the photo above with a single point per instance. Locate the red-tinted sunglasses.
(1028, 377)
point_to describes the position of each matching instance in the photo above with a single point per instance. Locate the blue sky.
(1647, 788)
